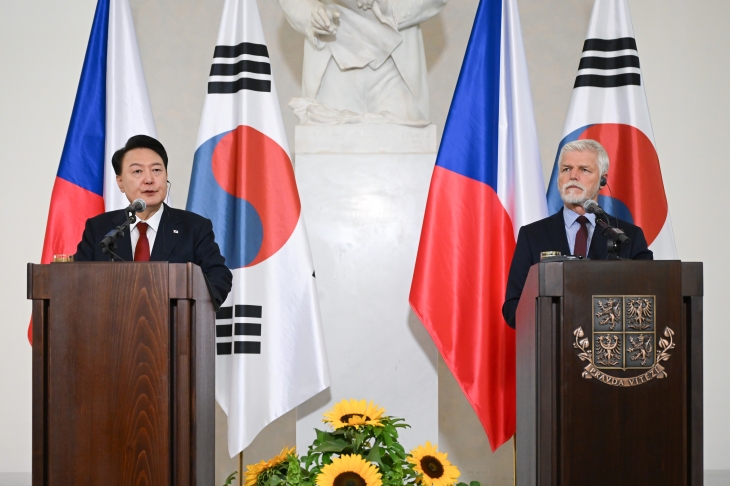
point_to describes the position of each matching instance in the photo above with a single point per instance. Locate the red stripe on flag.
(634, 174)
(71, 206)
(458, 290)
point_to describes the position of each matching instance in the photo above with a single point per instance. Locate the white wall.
(42, 47)
(684, 49)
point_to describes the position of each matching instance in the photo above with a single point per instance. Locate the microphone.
(138, 206)
(108, 245)
(616, 235)
(591, 207)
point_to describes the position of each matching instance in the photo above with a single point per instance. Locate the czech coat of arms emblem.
(623, 337)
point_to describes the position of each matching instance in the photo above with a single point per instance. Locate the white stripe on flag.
(128, 111)
(520, 185)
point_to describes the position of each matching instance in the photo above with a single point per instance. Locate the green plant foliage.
(230, 478)
(377, 444)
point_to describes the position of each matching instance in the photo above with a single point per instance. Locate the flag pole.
(514, 458)
(240, 468)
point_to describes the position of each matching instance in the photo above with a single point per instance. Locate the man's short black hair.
(138, 141)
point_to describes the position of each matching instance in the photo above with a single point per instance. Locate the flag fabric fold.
(107, 110)
(609, 105)
(128, 109)
(487, 183)
(270, 354)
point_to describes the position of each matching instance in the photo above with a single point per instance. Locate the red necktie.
(142, 252)
(581, 238)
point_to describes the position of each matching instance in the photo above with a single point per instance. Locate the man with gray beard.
(583, 170)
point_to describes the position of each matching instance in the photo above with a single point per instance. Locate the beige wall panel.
(553, 31)
(176, 41)
(461, 435)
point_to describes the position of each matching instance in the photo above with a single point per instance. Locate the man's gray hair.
(587, 146)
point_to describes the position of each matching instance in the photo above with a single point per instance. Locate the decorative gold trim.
(549, 254)
(591, 371)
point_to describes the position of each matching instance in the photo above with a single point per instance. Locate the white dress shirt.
(153, 223)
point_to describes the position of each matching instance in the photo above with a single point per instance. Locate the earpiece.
(604, 181)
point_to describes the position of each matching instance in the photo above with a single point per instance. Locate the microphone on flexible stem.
(108, 243)
(616, 234)
(137, 206)
(592, 207)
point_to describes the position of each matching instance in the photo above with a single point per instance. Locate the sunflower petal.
(433, 467)
(354, 466)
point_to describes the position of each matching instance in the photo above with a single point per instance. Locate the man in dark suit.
(160, 233)
(583, 170)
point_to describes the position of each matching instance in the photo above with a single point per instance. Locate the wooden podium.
(609, 374)
(123, 374)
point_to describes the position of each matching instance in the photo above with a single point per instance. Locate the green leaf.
(294, 471)
(359, 439)
(321, 434)
(475, 483)
(331, 446)
(230, 478)
(374, 455)
(388, 440)
(399, 451)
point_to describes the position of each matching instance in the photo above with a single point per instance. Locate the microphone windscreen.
(139, 205)
(590, 206)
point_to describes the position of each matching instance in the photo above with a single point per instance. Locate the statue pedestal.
(365, 139)
(363, 190)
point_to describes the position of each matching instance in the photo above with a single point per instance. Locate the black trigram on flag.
(246, 322)
(609, 63)
(245, 66)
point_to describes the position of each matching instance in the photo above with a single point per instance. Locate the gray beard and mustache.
(575, 198)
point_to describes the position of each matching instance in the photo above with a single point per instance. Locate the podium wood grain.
(114, 390)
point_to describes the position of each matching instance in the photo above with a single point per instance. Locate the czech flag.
(487, 183)
(609, 105)
(270, 354)
(111, 105)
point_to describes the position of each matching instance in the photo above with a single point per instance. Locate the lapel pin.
(174, 231)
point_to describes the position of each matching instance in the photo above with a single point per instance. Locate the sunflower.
(353, 413)
(349, 470)
(432, 466)
(253, 472)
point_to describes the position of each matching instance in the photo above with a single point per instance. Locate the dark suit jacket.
(549, 235)
(182, 237)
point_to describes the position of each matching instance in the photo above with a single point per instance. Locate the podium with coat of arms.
(609, 374)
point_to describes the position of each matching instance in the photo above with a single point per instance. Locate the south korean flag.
(270, 353)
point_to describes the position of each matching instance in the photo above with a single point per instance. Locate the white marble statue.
(364, 60)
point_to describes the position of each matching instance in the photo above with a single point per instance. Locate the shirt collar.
(570, 216)
(154, 220)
